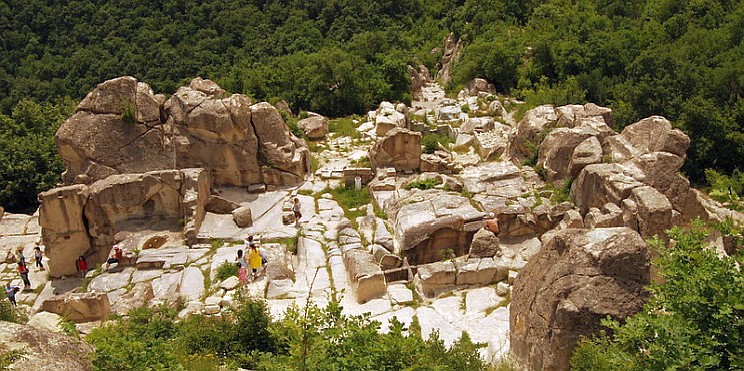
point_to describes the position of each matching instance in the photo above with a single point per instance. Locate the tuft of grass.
(289, 242)
(431, 142)
(128, 112)
(361, 162)
(344, 127)
(216, 243)
(226, 270)
(423, 184)
(350, 200)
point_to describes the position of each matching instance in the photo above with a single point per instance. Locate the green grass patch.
(361, 162)
(216, 243)
(345, 126)
(226, 270)
(289, 242)
(350, 200)
(431, 142)
(423, 184)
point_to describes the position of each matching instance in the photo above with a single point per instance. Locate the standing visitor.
(82, 266)
(21, 258)
(296, 211)
(242, 273)
(11, 292)
(254, 260)
(38, 256)
(23, 270)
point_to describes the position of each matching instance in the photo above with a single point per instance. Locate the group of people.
(23, 271)
(254, 259)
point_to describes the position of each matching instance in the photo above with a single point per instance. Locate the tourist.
(254, 260)
(116, 256)
(38, 256)
(492, 224)
(21, 258)
(82, 266)
(23, 270)
(242, 272)
(296, 211)
(11, 292)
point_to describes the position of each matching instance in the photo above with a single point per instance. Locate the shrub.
(128, 112)
(8, 312)
(423, 184)
(432, 141)
(226, 270)
(344, 127)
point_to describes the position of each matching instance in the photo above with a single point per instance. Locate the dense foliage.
(306, 339)
(680, 59)
(694, 321)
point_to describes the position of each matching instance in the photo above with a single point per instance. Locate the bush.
(432, 141)
(226, 270)
(8, 312)
(423, 184)
(349, 198)
(344, 127)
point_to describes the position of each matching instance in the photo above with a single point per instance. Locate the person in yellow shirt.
(254, 260)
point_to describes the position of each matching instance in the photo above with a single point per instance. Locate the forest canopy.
(680, 59)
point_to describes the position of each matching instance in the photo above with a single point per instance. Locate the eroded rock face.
(44, 350)
(116, 129)
(400, 148)
(578, 278)
(122, 127)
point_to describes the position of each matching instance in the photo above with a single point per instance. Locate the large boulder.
(524, 140)
(429, 223)
(556, 152)
(117, 128)
(400, 148)
(655, 134)
(79, 307)
(314, 127)
(122, 127)
(577, 279)
(43, 350)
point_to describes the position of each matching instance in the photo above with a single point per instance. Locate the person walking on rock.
(11, 292)
(82, 266)
(254, 260)
(296, 211)
(242, 268)
(23, 271)
(38, 256)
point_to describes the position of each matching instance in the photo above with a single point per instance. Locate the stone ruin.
(132, 155)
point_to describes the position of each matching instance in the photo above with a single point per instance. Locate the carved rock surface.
(400, 148)
(79, 307)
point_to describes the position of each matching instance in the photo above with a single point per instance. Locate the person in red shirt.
(116, 257)
(82, 266)
(23, 271)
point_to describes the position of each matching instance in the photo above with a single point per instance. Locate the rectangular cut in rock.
(433, 279)
(365, 275)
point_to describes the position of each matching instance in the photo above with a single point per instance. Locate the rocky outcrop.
(556, 300)
(428, 223)
(80, 220)
(419, 79)
(452, 51)
(122, 127)
(388, 117)
(400, 148)
(64, 229)
(43, 350)
(79, 307)
(314, 127)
